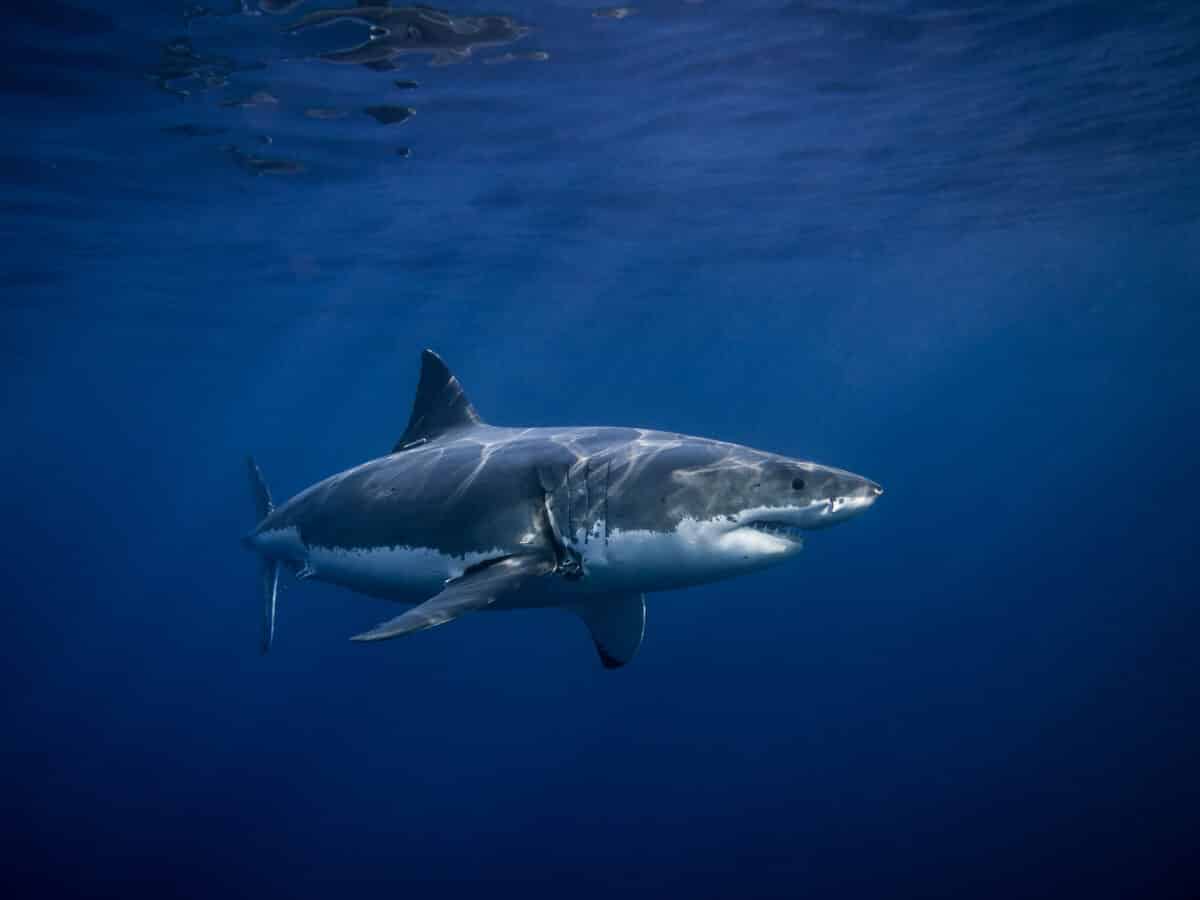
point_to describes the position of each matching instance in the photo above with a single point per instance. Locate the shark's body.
(464, 516)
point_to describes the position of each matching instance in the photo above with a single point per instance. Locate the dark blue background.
(954, 248)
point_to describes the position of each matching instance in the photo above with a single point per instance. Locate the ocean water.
(952, 246)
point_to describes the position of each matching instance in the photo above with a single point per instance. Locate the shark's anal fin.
(617, 623)
(477, 588)
(441, 405)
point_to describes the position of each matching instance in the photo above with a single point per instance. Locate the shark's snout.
(844, 495)
(858, 494)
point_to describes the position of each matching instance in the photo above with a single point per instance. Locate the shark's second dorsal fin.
(440, 406)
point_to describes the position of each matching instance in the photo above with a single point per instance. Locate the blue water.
(952, 246)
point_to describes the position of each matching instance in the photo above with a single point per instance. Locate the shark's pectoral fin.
(478, 587)
(617, 623)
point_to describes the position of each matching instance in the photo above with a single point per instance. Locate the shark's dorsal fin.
(440, 406)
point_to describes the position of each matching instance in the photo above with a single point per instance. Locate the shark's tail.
(268, 569)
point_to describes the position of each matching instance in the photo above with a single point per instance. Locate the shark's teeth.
(779, 529)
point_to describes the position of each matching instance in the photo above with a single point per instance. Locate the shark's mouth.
(779, 529)
(793, 521)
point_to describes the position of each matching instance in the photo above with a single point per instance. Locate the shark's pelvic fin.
(440, 405)
(617, 623)
(478, 587)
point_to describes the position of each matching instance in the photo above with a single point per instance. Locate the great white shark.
(463, 516)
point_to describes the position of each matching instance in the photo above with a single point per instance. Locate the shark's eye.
(797, 484)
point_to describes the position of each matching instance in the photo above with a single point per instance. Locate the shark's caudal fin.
(268, 569)
(260, 491)
(440, 405)
(268, 576)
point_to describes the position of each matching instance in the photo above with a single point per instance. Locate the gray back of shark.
(465, 516)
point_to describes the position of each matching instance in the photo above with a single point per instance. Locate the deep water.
(954, 247)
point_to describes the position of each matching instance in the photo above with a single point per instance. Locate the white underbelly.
(401, 571)
(696, 552)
